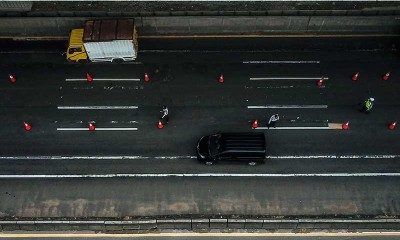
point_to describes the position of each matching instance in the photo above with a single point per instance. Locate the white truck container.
(104, 41)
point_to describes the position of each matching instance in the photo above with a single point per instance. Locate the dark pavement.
(184, 76)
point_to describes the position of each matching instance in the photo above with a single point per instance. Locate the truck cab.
(76, 50)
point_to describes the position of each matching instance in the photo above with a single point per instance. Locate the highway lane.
(186, 81)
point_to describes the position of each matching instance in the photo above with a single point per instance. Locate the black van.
(238, 147)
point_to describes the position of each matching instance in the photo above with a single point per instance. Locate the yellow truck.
(104, 41)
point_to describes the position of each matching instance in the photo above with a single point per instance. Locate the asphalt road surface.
(132, 168)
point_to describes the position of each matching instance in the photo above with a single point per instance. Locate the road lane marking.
(102, 79)
(92, 157)
(137, 157)
(97, 129)
(287, 78)
(191, 175)
(287, 106)
(95, 107)
(282, 62)
(294, 128)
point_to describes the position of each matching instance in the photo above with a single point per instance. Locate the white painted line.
(282, 62)
(287, 78)
(136, 157)
(102, 79)
(93, 157)
(335, 157)
(287, 106)
(97, 129)
(295, 128)
(164, 175)
(95, 107)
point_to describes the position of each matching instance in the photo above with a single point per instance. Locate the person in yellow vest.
(368, 104)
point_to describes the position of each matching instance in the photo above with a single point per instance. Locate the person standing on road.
(368, 104)
(272, 120)
(165, 117)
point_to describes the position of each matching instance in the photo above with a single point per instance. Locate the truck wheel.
(252, 163)
(118, 60)
(209, 163)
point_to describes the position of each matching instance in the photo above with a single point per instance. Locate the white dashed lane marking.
(286, 78)
(96, 107)
(287, 106)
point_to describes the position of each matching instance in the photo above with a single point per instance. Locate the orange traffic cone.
(320, 83)
(255, 124)
(12, 78)
(355, 77)
(146, 77)
(221, 79)
(386, 76)
(91, 127)
(345, 126)
(89, 78)
(392, 126)
(27, 126)
(160, 125)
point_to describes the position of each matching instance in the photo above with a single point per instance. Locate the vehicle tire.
(252, 163)
(208, 163)
(118, 60)
(82, 61)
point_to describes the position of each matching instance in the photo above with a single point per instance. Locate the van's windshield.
(215, 144)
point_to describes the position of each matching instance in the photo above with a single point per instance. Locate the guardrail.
(202, 224)
(368, 12)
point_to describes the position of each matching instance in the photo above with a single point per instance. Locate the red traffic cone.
(386, 76)
(27, 126)
(355, 77)
(392, 126)
(12, 78)
(221, 79)
(345, 126)
(160, 125)
(320, 83)
(91, 127)
(255, 124)
(146, 77)
(89, 78)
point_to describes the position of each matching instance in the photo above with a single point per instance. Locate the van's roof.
(243, 142)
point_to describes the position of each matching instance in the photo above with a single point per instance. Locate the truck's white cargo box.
(108, 40)
(107, 51)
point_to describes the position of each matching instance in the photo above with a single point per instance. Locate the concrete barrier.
(192, 25)
(203, 225)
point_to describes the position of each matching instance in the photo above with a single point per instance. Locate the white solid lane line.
(137, 157)
(131, 157)
(102, 79)
(287, 106)
(282, 62)
(95, 107)
(164, 175)
(97, 129)
(287, 78)
(294, 128)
